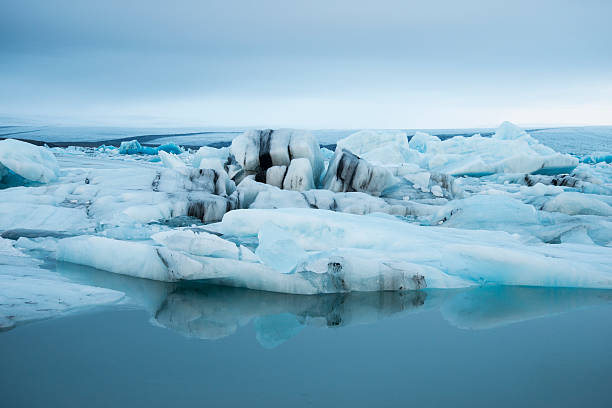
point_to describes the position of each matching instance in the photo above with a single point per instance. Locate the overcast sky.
(311, 64)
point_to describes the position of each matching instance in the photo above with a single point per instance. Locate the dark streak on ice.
(265, 160)
(346, 168)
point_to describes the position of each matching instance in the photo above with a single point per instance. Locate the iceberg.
(377, 147)
(134, 147)
(573, 203)
(32, 163)
(509, 150)
(597, 157)
(348, 172)
(258, 150)
(210, 158)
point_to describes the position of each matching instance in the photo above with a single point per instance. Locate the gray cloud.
(78, 58)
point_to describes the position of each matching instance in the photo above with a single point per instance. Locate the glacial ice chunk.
(347, 172)
(247, 191)
(245, 149)
(380, 147)
(597, 157)
(134, 147)
(207, 207)
(258, 150)
(210, 153)
(574, 203)
(509, 131)
(510, 150)
(33, 163)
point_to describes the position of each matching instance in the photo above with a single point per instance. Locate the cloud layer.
(307, 64)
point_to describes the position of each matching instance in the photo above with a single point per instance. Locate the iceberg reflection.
(212, 312)
(494, 306)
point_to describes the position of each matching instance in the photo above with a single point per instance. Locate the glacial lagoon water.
(202, 345)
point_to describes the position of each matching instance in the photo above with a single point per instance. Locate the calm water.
(213, 346)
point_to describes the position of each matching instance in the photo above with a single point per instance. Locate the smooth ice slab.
(470, 255)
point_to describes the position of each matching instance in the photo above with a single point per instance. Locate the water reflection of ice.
(212, 312)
